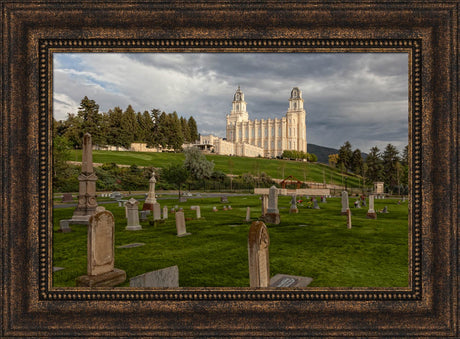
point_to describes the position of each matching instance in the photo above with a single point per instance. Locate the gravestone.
(86, 184)
(273, 215)
(344, 203)
(248, 214)
(264, 204)
(132, 215)
(225, 208)
(384, 210)
(166, 277)
(371, 212)
(293, 208)
(364, 202)
(165, 212)
(404, 199)
(223, 199)
(357, 204)
(126, 208)
(323, 200)
(198, 211)
(315, 204)
(156, 211)
(115, 195)
(64, 226)
(151, 199)
(259, 264)
(182, 199)
(180, 225)
(348, 218)
(229, 207)
(143, 215)
(67, 197)
(101, 252)
(285, 280)
(214, 209)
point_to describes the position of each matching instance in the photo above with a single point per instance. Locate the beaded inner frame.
(413, 49)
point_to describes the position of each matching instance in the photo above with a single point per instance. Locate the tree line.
(388, 166)
(121, 128)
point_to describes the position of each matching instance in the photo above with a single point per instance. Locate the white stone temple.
(264, 137)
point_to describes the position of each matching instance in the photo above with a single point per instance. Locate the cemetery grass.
(275, 168)
(374, 253)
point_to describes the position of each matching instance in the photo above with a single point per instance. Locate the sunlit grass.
(374, 253)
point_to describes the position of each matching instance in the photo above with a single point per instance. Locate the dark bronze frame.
(33, 31)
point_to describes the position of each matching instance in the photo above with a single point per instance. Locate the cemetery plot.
(373, 253)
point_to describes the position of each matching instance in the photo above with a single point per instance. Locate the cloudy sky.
(359, 97)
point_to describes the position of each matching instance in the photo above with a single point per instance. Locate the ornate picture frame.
(33, 31)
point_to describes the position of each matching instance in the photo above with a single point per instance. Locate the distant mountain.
(323, 152)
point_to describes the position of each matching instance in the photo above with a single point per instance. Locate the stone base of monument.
(109, 279)
(371, 215)
(133, 228)
(147, 206)
(184, 234)
(272, 218)
(285, 280)
(293, 210)
(344, 213)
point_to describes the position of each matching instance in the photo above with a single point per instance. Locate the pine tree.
(390, 165)
(91, 121)
(117, 135)
(345, 156)
(129, 124)
(357, 162)
(374, 165)
(185, 129)
(194, 136)
(174, 132)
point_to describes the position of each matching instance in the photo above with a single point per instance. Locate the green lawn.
(374, 253)
(273, 167)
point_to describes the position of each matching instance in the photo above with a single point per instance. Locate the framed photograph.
(393, 73)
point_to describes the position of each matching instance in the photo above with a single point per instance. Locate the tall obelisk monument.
(87, 183)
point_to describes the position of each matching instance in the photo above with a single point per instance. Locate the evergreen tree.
(405, 156)
(194, 136)
(129, 124)
(174, 132)
(374, 165)
(390, 165)
(91, 121)
(185, 129)
(73, 127)
(163, 131)
(146, 128)
(117, 135)
(357, 162)
(345, 156)
(154, 138)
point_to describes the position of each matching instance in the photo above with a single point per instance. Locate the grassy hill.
(275, 168)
